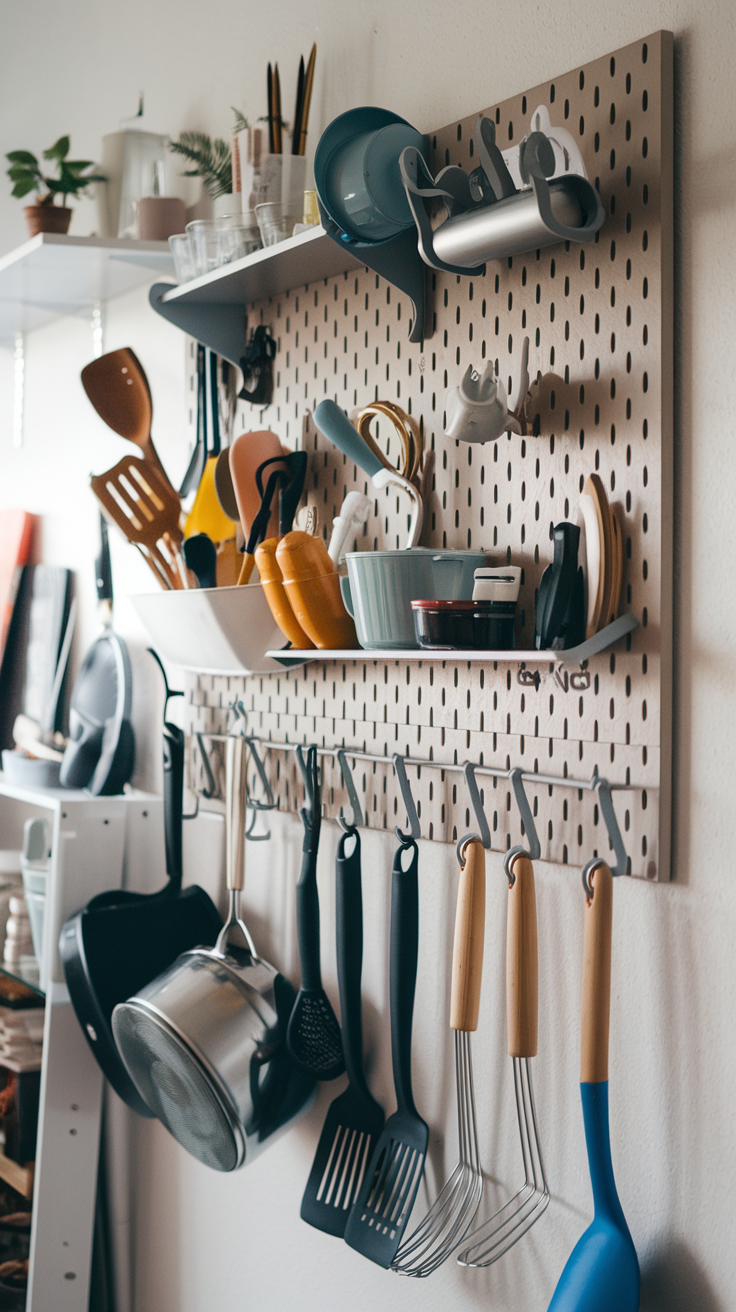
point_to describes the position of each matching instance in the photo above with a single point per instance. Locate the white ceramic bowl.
(213, 630)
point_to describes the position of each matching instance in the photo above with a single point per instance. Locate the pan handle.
(237, 752)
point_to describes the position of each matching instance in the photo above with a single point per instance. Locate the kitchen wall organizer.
(599, 319)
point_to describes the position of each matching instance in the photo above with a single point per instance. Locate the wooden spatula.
(146, 510)
(117, 386)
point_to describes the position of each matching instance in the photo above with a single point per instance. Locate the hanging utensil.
(111, 949)
(377, 1219)
(451, 1215)
(198, 458)
(146, 510)
(118, 388)
(355, 1119)
(602, 1272)
(510, 1222)
(203, 1043)
(313, 1036)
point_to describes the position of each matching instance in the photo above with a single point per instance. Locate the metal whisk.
(451, 1215)
(506, 1227)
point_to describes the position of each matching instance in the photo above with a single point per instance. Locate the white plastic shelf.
(53, 275)
(600, 641)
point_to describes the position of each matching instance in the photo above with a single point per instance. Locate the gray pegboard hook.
(484, 832)
(603, 789)
(534, 850)
(415, 829)
(356, 812)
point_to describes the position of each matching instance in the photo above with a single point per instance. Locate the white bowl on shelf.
(213, 630)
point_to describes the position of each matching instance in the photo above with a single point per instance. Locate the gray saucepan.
(205, 1042)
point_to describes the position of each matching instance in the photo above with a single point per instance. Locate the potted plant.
(26, 174)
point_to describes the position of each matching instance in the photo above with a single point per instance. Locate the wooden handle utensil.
(596, 1008)
(522, 961)
(467, 956)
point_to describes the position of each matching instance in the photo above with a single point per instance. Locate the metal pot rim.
(193, 1050)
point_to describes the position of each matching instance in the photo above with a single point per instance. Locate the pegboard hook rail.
(469, 769)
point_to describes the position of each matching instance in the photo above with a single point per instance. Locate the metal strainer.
(204, 1043)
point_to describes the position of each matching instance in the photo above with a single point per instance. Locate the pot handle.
(235, 792)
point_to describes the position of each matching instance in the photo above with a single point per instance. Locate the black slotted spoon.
(378, 1218)
(354, 1120)
(313, 1036)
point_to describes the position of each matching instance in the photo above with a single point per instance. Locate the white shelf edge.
(116, 245)
(600, 642)
(268, 256)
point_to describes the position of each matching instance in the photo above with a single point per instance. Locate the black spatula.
(313, 1036)
(378, 1218)
(355, 1119)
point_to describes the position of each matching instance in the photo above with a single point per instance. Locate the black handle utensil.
(355, 1119)
(559, 614)
(200, 556)
(313, 1036)
(378, 1218)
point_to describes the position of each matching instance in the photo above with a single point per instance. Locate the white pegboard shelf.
(308, 257)
(600, 641)
(53, 275)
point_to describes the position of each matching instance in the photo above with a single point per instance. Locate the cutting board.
(16, 539)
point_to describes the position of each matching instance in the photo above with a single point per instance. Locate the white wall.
(205, 1241)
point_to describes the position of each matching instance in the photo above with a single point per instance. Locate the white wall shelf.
(212, 308)
(600, 641)
(53, 275)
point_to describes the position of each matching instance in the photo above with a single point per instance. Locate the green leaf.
(22, 157)
(23, 188)
(59, 150)
(241, 122)
(19, 173)
(212, 160)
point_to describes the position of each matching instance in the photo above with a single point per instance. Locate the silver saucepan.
(204, 1043)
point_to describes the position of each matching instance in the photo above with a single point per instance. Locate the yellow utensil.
(207, 515)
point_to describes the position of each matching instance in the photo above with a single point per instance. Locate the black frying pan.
(122, 940)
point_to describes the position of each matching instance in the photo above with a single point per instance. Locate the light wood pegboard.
(599, 318)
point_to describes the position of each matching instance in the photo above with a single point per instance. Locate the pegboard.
(599, 321)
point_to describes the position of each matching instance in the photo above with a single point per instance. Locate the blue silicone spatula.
(602, 1272)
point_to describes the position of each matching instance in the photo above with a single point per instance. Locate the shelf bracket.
(218, 325)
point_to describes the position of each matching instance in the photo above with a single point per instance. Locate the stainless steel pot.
(204, 1043)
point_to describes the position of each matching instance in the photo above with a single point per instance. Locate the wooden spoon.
(117, 386)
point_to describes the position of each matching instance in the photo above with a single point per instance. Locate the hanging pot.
(204, 1043)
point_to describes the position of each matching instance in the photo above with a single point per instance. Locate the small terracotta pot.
(47, 218)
